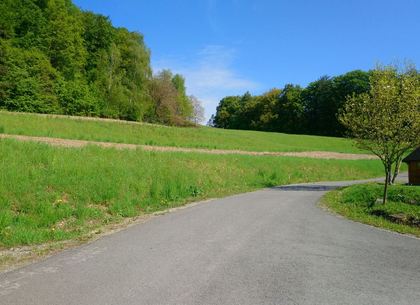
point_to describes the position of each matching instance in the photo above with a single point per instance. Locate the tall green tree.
(227, 112)
(27, 81)
(290, 110)
(184, 106)
(266, 105)
(132, 73)
(319, 105)
(98, 35)
(23, 22)
(353, 82)
(7, 19)
(64, 38)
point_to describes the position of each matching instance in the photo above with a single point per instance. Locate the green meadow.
(193, 137)
(359, 203)
(51, 194)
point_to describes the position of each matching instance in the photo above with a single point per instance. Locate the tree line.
(293, 109)
(56, 58)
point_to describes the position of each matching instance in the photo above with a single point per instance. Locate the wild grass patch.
(148, 134)
(53, 194)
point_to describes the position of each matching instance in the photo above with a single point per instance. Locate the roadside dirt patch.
(82, 143)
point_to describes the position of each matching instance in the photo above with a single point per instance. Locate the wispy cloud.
(211, 16)
(209, 75)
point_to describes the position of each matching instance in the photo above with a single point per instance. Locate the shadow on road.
(328, 186)
(308, 188)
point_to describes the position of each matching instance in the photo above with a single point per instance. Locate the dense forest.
(56, 58)
(293, 109)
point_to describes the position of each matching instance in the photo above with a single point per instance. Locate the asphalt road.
(273, 246)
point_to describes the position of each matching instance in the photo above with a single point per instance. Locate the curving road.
(273, 246)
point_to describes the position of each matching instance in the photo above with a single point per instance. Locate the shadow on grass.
(399, 218)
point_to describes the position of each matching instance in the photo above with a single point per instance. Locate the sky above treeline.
(228, 47)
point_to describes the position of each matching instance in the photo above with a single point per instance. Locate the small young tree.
(386, 121)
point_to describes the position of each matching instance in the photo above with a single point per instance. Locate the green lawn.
(358, 203)
(199, 137)
(50, 193)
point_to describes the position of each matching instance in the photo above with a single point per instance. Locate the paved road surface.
(268, 247)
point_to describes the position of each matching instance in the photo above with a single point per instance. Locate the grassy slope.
(358, 203)
(202, 137)
(49, 193)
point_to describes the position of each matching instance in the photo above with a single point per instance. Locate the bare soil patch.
(82, 143)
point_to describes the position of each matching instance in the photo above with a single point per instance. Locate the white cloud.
(209, 75)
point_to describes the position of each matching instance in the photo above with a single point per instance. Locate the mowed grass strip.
(360, 203)
(148, 134)
(52, 194)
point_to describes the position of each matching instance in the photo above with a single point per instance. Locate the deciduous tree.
(386, 120)
(198, 110)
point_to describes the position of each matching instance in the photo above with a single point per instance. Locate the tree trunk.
(385, 190)
(396, 170)
(388, 169)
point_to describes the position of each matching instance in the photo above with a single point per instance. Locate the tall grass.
(49, 193)
(199, 137)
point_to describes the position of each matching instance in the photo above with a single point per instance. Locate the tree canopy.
(56, 58)
(293, 109)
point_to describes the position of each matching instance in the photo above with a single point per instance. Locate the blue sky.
(227, 47)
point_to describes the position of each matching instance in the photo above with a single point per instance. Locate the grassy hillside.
(49, 193)
(200, 137)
